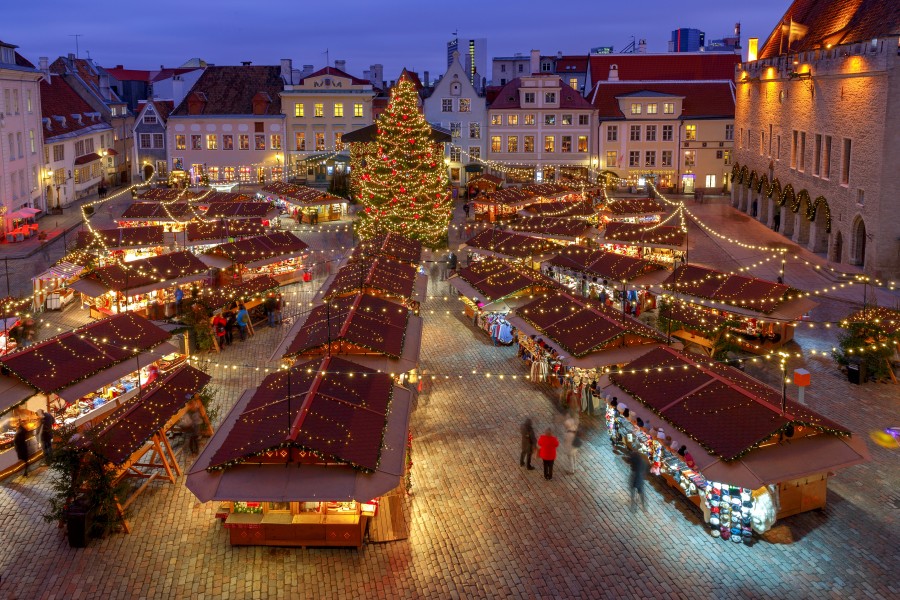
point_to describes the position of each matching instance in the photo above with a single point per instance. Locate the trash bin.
(856, 371)
(78, 523)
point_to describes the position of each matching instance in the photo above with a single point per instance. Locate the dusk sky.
(397, 34)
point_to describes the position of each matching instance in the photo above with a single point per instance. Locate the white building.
(456, 105)
(21, 142)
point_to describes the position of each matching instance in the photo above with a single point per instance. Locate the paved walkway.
(482, 527)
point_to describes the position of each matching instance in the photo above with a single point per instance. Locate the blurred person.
(529, 442)
(547, 445)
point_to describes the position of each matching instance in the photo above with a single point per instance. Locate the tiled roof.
(170, 72)
(125, 431)
(496, 279)
(23, 62)
(316, 406)
(674, 66)
(121, 74)
(602, 264)
(690, 395)
(581, 327)
(58, 99)
(88, 73)
(738, 290)
(701, 99)
(59, 362)
(508, 97)
(571, 64)
(231, 90)
(832, 22)
(334, 72)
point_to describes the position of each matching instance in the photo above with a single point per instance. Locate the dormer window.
(529, 97)
(7, 55)
(113, 111)
(635, 109)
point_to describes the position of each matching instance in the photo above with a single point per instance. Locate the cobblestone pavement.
(481, 526)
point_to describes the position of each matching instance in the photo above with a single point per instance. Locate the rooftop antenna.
(327, 60)
(76, 36)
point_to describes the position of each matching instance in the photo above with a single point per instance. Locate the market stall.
(606, 276)
(631, 210)
(167, 194)
(146, 286)
(491, 288)
(757, 315)
(663, 244)
(80, 376)
(482, 184)
(497, 243)
(391, 245)
(203, 235)
(241, 210)
(51, 288)
(171, 216)
(576, 209)
(560, 230)
(504, 203)
(250, 292)
(287, 475)
(380, 277)
(306, 204)
(374, 332)
(125, 244)
(736, 448)
(279, 255)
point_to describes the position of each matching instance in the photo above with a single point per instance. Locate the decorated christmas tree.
(400, 177)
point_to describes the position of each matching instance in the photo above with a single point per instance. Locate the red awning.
(111, 152)
(87, 158)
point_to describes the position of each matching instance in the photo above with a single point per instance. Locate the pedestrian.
(179, 296)
(230, 316)
(776, 222)
(571, 426)
(638, 465)
(193, 431)
(278, 308)
(29, 332)
(529, 441)
(47, 423)
(452, 262)
(219, 325)
(269, 306)
(21, 444)
(466, 209)
(243, 321)
(547, 445)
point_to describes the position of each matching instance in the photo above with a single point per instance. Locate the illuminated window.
(528, 144)
(299, 141)
(651, 108)
(244, 173)
(213, 173)
(227, 142)
(298, 110)
(260, 141)
(512, 119)
(180, 143)
(212, 141)
(465, 105)
(690, 132)
(726, 155)
(455, 129)
(275, 141)
(319, 110)
(338, 140)
(358, 109)
(474, 152)
(567, 119)
(582, 143)
(455, 153)
(339, 109)
(549, 119)
(549, 143)
(475, 131)
(196, 142)
(573, 83)
(320, 141)
(244, 141)
(611, 160)
(512, 143)
(635, 109)
(229, 173)
(690, 158)
(669, 108)
(565, 143)
(496, 143)
(529, 119)
(496, 119)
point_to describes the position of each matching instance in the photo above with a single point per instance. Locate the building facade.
(680, 134)
(456, 105)
(817, 122)
(472, 55)
(76, 142)
(229, 128)
(319, 110)
(540, 129)
(21, 139)
(150, 139)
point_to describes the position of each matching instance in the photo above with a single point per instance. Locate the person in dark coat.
(47, 423)
(21, 444)
(638, 464)
(529, 441)
(230, 316)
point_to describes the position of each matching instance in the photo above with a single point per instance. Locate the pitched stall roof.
(317, 406)
(238, 292)
(260, 247)
(233, 90)
(496, 279)
(213, 197)
(691, 395)
(887, 319)
(147, 271)
(168, 194)
(510, 244)
(391, 245)
(553, 226)
(633, 206)
(221, 210)
(637, 234)
(599, 263)
(355, 323)
(302, 194)
(810, 24)
(222, 229)
(580, 208)
(125, 431)
(59, 362)
(700, 98)
(123, 237)
(738, 290)
(581, 327)
(693, 315)
(525, 194)
(392, 277)
(157, 211)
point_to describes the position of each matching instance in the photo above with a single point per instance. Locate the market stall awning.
(391, 277)
(125, 431)
(61, 270)
(601, 264)
(504, 243)
(645, 235)
(578, 209)
(144, 275)
(309, 483)
(220, 231)
(13, 391)
(494, 279)
(302, 195)
(502, 304)
(391, 245)
(632, 207)
(554, 228)
(149, 236)
(158, 211)
(26, 212)
(258, 251)
(241, 210)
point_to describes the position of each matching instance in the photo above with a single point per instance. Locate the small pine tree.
(402, 184)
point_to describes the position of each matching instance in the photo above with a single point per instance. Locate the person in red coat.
(547, 445)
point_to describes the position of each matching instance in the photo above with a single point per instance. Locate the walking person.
(638, 465)
(466, 209)
(569, 438)
(47, 423)
(776, 222)
(243, 321)
(269, 306)
(219, 326)
(529, 442)
(547, 445)
(21, 444)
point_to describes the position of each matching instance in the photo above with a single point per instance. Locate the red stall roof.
(220, 210)
(157, 211)
(123, 237)
(553, 226)
(261, 247)
(887, 319)
(223, 229)
(580, 208)
(392, 277)
(510, 244)
(125, 431)
(637, 234)
(301, 194)
(239, 292)
(59, 362)
(598, 263)
(727, 412)
(393, 246)
(495, 279)
(633, 206)
(316, 406)
(147, 272)
(738, 290)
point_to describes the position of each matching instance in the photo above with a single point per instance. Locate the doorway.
(148, 172)
(687, 182)
(859, 243)
(838, 249)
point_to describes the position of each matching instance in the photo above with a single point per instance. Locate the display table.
(284, 529)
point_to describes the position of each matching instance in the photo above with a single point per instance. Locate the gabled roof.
(571, 64)
(674, 66)
(738, 290)
(146, 271)
(23, 62)
(385, 275)
(700, 99)
(496, 279)
(251, 249)
(602, 264)
(162, 108)
(231, 91)
(59, 99)
(167, 72)
(390, 245)
(637, 234)
(809, 24)
(334, 72)
(121, 74)
(508, 96)
(88, 73)
(510, 244)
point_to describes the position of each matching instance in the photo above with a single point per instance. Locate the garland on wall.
(741, 175)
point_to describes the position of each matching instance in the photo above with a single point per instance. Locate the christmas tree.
(401, 179)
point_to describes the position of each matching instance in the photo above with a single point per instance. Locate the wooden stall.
(497, 243)
(664, 244)
(306, 204)
(279, 255)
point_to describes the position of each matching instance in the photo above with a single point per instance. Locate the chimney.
(44, 66)
(286, 69)
(340, 65)
(246, 63)
(427, 81)
(613, 73)
(642, 47)
(177, 90)
(559, 54)
(120, 66)
(535, 61)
